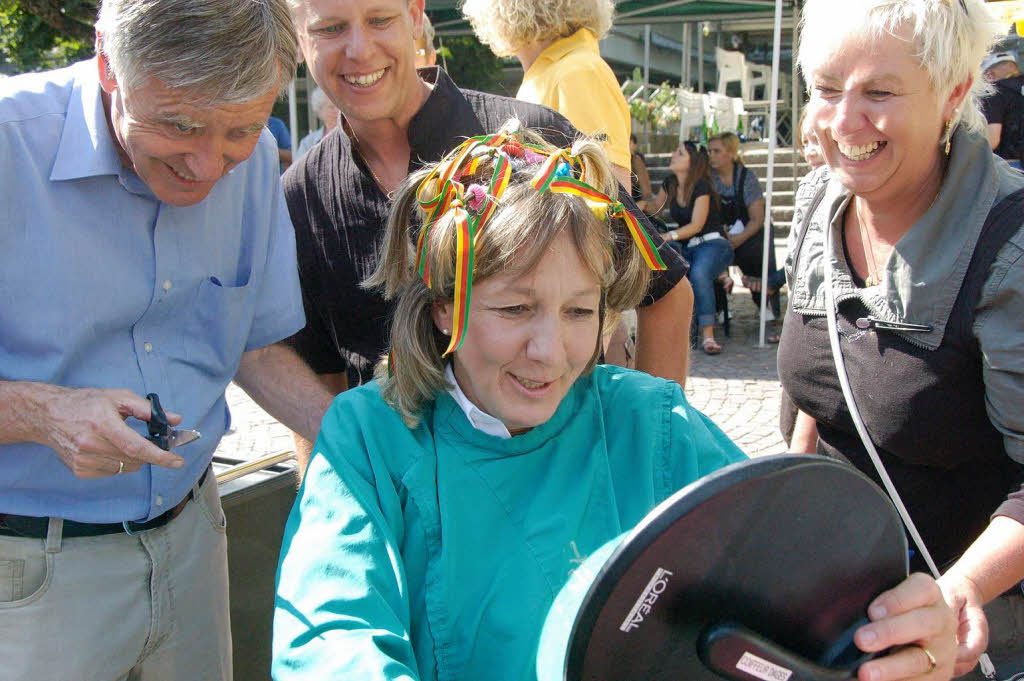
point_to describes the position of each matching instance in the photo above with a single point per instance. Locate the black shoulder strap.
(1003, 221)
(739, 178)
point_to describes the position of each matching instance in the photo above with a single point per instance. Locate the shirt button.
(167, 284)
(159, 500)
(148, 346)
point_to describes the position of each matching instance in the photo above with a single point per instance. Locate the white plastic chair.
(725, 110)
(733, 66)
(784, 86)
(691, 112)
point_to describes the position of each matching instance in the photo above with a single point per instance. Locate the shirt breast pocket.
(219, 327)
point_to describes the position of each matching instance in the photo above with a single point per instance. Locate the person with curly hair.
(556, 42)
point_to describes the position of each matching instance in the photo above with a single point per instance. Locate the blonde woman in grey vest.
(917, 228)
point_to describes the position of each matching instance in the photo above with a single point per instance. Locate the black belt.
(33, 527)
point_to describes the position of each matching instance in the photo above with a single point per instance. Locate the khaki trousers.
(146, 607)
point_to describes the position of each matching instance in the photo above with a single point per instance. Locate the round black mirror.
(760, 571)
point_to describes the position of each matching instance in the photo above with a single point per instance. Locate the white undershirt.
(479, 419)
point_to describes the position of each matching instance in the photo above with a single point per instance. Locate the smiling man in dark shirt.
(361, 53)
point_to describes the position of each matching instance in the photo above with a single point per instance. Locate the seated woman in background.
(743, 209)
(447, 502)
(694, 205)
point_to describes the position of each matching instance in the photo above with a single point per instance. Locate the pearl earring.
(446, 332)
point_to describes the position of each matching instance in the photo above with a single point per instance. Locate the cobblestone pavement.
(254, 432)
(738, 390)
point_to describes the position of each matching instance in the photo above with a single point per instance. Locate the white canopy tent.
(772, 140)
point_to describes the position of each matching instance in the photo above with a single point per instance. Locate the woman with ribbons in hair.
(447, 502)
(904, 343)
(694, 205)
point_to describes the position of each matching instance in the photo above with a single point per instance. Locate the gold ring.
(120, 470)
(931, 659)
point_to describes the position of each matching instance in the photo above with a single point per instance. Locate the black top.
(924, 409)
(734, 198)
(1006, 106)
(683, 214)
(340, 213)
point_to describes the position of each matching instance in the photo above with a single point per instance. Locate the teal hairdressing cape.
(435, 553)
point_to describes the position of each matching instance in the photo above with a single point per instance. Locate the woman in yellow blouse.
(556, 42)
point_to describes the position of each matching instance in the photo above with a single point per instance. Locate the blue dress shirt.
(280, 132)
(102, 285)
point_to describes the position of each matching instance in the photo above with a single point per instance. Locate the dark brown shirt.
(340, 213)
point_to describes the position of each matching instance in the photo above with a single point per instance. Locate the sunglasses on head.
(695, 148)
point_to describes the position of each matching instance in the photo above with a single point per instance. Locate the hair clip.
(532, 157)
(513, 148)
(475, 197)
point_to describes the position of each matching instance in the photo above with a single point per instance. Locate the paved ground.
(254, 432)
(738, 389)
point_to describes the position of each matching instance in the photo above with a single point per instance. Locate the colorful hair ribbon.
(433, 209)
(465, 240)
(500, 178)
(451, 195)
(601, 201)
(641, 238)
(558, 173)
(467, 229)
(558, 164)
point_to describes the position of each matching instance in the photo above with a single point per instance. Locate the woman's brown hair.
(514, 240)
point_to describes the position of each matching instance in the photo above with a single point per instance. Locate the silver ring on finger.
(120, 469)
(931, 659)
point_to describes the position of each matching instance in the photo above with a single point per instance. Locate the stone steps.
(755, 157)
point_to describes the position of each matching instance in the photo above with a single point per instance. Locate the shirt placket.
(150, 333)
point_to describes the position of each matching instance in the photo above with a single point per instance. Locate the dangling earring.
(949, 135)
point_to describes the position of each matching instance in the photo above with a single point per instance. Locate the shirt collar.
(86, 148)
(446, 115)
(480, 420)
(936, 251)
(583, 39)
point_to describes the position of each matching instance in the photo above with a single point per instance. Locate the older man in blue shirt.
(145, 247)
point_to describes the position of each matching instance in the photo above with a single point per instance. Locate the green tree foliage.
(659, 107)
(43, 34)
(471, 64)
